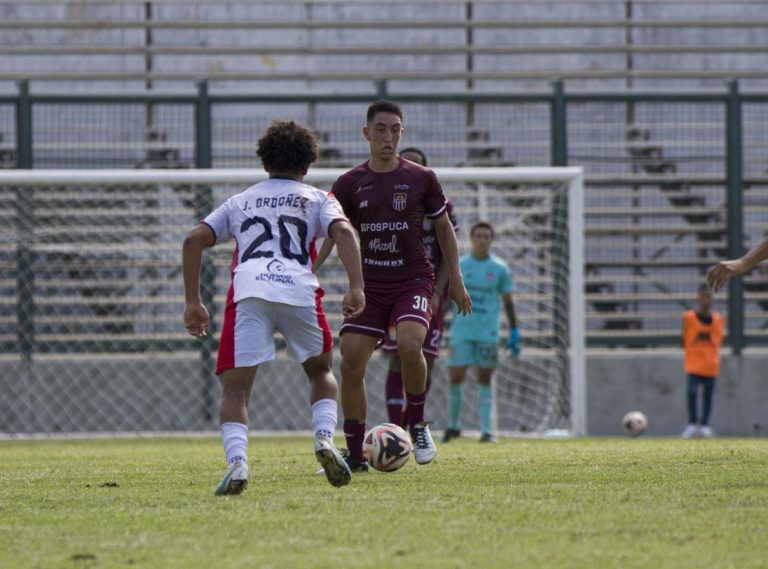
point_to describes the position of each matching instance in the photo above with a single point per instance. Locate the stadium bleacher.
(656, 169)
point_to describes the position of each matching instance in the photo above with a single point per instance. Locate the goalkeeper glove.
(513, 344)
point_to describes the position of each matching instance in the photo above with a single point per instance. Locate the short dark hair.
(479, 225)
(418, 152)
(383, 107)
(704, 288)
(287, 146)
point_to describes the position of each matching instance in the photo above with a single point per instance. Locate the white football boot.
(335, 467)
(424, 447)
(235, 481)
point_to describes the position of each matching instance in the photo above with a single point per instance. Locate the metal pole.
(734, 214)
(25, 214)
(559, 147)
(24, 127)
(203, 154)
(148, 66)
(203, 206)
(560, 252)
(381, 88)
(25, 252)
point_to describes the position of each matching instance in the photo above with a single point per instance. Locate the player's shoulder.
(313, 190)
(689, 314)
(413, 169)
(413, 166)
(498, 261)
(293, 186)
(348, 178)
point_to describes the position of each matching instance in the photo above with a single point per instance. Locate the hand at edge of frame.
(721, 273)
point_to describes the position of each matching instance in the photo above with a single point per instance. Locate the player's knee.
(235, 392)
(409, 350)
(352, 369)
(320, 373)
(318, 366)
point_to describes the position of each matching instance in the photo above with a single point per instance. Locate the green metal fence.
(674, 181)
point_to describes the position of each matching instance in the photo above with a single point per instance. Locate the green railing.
(565, 138)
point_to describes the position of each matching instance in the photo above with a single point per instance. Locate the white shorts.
(249, 325)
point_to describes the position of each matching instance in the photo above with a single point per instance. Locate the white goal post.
(91, 338)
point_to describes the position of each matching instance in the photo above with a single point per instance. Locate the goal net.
(91, 338)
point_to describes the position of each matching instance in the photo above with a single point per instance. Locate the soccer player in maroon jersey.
(397, 411)
(387, 199)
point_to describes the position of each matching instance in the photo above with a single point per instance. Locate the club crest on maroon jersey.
(399, 200)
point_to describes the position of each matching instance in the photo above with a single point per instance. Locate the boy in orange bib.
(702, 337)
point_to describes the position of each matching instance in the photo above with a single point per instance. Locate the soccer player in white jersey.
(275, 223)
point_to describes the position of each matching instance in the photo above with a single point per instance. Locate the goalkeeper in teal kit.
(474, 337)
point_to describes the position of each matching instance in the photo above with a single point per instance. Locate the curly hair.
(287, 146)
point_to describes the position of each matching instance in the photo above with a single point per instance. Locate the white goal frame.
(570, 177)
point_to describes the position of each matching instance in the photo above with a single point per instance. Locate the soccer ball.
(387, 447)
(634, 423)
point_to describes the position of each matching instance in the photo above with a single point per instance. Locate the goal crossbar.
(566, 174)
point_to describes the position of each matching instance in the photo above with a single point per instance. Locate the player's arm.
(443, 277)
(513, 343)
(338, 193)
(509, 309)
(322, 254)
(724, 270)
(450, 248)
(196, 317)
(441, 281)
(348, 248)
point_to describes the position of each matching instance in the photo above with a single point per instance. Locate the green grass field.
(590, 503)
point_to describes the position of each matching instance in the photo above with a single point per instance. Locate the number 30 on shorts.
(420, 303)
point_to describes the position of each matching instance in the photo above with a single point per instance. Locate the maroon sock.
(393, 393)
(354, 432)
(406, 417)
(415, 407)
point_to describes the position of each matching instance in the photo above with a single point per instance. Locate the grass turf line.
(588, 503)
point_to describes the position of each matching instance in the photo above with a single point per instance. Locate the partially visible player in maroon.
(397, 411)
(387, 199)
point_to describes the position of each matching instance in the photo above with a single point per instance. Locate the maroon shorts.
(431, 346)
(395, 302)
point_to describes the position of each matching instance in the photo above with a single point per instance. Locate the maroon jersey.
(388, 210)
(429, 236)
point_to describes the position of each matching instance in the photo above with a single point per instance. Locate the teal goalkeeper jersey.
(485, 279)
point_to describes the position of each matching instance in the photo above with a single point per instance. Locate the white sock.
(235, 439)
(324, 418)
